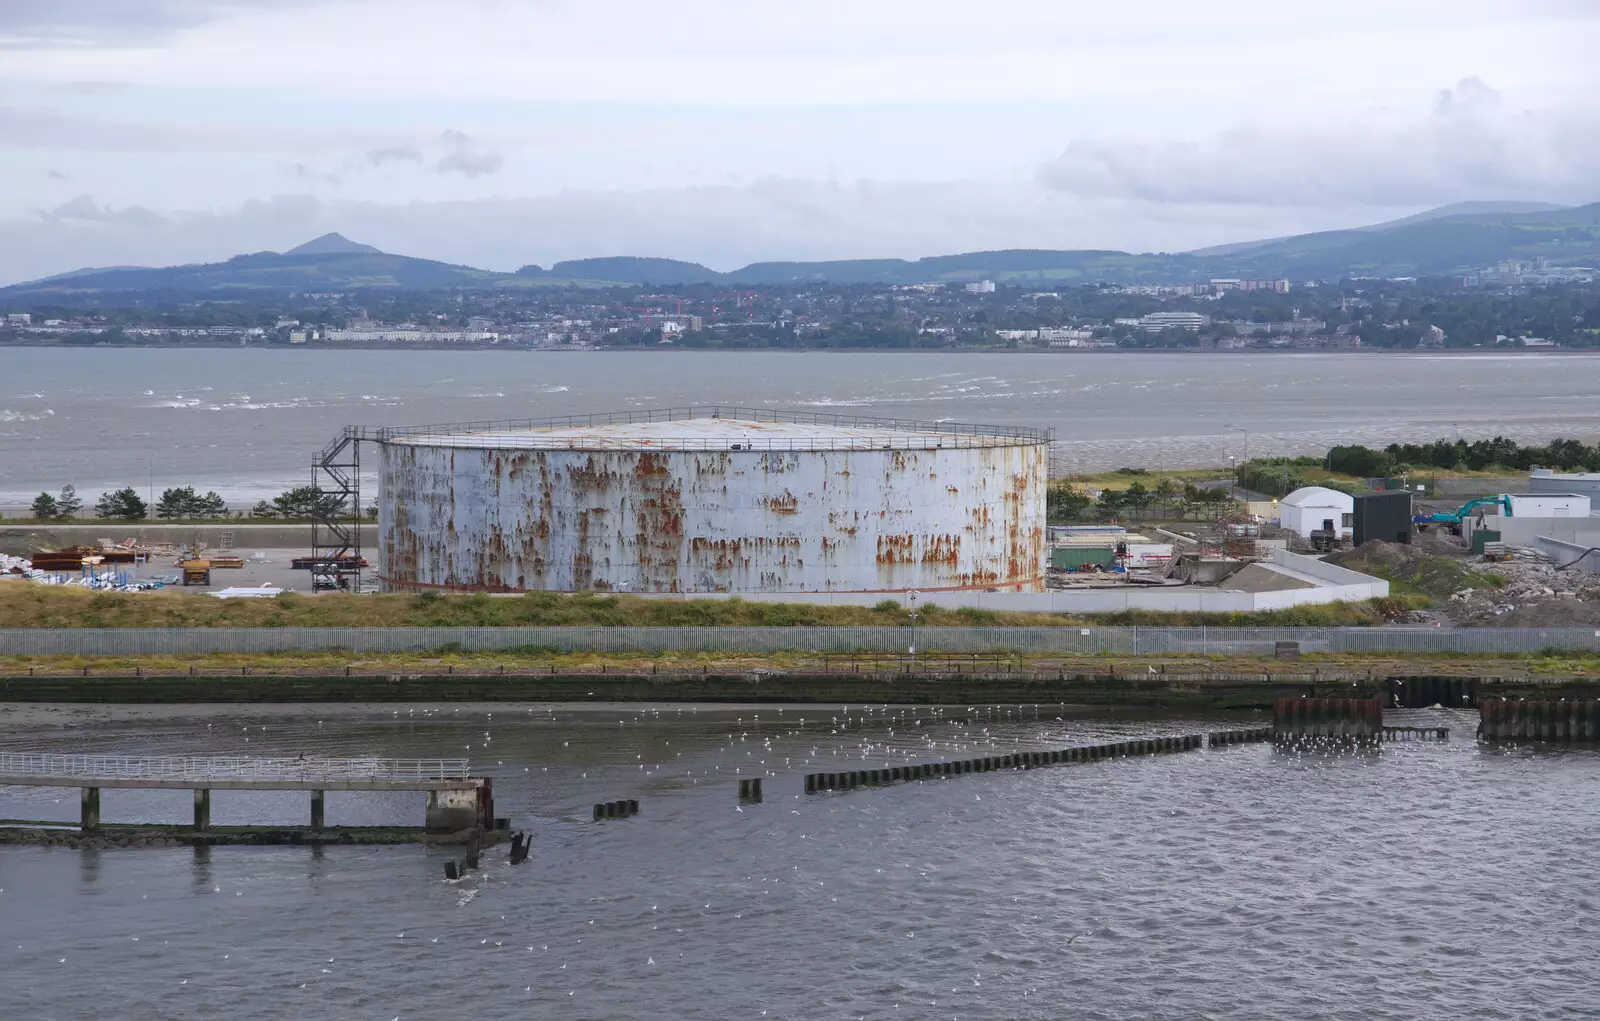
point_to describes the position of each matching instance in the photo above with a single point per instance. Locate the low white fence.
(226, 768)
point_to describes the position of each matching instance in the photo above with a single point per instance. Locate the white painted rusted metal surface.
(32, 769)
(713, 505)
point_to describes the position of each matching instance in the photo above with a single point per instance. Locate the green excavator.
(1454, 518)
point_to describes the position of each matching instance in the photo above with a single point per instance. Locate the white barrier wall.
(1564, 553)
(1334, 585)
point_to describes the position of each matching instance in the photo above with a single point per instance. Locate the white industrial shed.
(1306, 510)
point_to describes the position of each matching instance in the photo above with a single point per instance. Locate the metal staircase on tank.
(336, 537)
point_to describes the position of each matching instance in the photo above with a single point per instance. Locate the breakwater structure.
(625, 809)
(851, 779)
(1547, 720)
(991, 680)
(460, 806)
(1357, 720)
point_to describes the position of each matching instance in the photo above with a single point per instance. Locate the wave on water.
(12, 415)
(552, 390)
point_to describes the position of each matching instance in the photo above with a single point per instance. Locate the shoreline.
(866, 349)
(1133, 687)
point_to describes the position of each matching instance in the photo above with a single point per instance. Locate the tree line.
(1279, 476)
(1476, 455)
(184, 504)
(1064, 501)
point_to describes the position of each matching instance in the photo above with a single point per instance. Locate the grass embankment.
(1122, 478)
(1416, 574)
(540, 662)
(24, 605)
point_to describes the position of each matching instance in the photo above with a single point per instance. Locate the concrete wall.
(1563, 553)
(1526, 531)
(1464, 488)
(1335, 584)
(1587, 483)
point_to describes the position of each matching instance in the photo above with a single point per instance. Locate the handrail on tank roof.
(1020, 433)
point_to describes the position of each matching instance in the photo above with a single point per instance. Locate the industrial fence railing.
(908, 431)
(184, 768)
(1064, 641)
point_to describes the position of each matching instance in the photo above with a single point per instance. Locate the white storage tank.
(713, 500)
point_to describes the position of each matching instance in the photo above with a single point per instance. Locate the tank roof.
(712, 429)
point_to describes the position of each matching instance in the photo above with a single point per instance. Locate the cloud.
(310, 173)
(56, 175)
(83, 209)
(1470, 145)
(47, 128)
(91, 88)
(464, 159)
(33, 24)
(394, 154)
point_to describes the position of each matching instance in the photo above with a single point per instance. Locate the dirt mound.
(24, 542)
(1551, 613)
(1437, 575)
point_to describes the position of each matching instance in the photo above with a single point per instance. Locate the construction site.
(1521, 559)
(222, 562)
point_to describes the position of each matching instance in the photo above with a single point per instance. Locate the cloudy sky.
(503, 132)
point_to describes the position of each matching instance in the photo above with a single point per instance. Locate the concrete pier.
(456, 802)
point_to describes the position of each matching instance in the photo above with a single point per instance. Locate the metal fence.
(226, 768)
(1062, 641)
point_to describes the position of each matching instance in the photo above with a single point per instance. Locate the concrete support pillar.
(89, 817)
(451, 811)
(318, 814)
(202, 809)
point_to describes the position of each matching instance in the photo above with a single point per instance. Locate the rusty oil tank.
(713, 500)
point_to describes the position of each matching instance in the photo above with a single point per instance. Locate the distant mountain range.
(1451, 239)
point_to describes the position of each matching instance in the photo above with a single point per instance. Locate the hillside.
(270, 271)
(1452, 239)
(333, 244)
(1449, 244)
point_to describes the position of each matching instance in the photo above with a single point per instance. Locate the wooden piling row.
(1416, 733)
(1349, 719)
(459, 869)
(1575, 720)
(852, 779)
(1425, 692)
(615, 810)
(750, 789)
(1245, 736)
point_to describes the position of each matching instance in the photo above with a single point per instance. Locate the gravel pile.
(1534, 595)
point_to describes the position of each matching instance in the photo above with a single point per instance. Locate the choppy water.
(1423, 881)
(246, 422)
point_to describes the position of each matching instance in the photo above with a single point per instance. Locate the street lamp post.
(911, 605)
